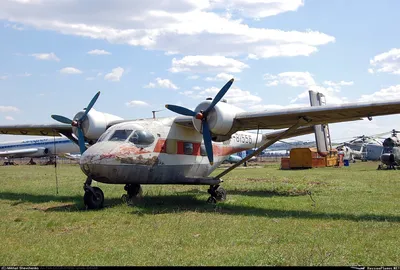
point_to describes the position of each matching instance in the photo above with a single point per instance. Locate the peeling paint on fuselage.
(158, 163)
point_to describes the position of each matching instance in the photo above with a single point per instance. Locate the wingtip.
(211, 163)
(166, 106)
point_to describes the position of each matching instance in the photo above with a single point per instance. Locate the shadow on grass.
(163, 204)
(69, 203)
(257, 193)
(154, 205)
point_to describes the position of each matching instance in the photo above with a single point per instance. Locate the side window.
(120, 135)
(188, 148)
(142, 138)
(203, 151)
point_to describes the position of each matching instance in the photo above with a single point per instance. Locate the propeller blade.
(61, 119)
(180, 110)
(220, 95)
(207, 142)
(81, 140)
(89, 107)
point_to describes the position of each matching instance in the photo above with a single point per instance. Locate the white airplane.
(35, 148)
(235, 159)
(188, 148)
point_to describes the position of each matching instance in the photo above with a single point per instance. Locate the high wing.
(18, 152)
(278, 119)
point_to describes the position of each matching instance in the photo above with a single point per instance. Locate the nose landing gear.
(94, 196)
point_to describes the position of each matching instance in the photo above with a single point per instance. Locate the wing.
(279, 119)
(39, 130)
(18, 152)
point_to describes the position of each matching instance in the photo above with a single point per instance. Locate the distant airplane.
(36, 148)
(235, 159)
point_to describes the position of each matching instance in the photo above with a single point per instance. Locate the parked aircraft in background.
(235, 159)
(188, 148)
(37, 148)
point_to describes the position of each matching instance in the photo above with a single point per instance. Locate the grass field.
(325, 216)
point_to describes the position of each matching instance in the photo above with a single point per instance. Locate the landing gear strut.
(94, 196)
(132, 191)
(217, 193)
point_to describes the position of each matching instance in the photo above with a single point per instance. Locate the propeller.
(78, 122)
(202, 115)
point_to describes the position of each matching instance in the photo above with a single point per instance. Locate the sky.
(56, 54)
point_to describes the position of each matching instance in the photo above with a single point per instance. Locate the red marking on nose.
(74, 123)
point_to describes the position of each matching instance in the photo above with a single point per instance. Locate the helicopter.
(185, 149)
(390, 157)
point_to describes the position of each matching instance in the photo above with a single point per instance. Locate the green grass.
(324, 216)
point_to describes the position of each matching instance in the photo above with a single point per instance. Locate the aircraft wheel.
(379, 167)
(212, 200)
(95, 199)
(133, 190)
(220, 194)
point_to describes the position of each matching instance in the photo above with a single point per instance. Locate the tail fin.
(322, 136)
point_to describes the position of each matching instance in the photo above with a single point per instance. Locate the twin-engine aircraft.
(184, 149)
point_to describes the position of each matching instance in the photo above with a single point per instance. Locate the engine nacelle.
(95, 123)
(220, 118)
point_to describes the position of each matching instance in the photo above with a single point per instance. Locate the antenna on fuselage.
(154, 113)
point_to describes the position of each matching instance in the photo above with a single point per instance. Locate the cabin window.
(188, 148)
(120, 135)
(203, 151)
(142, 138)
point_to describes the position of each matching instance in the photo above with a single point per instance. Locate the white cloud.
(221, 77)
(26, 74)
(256, 8)
(193, 77)
(235, 96)
(90, 78)
(136, 103)
(98, 52)
(187, 93)
(203, 63)
(14, 26)
(115, 75)
(295, 79)
(46, 56)
(337, 84)
(9, 118)
(162, 83)
(70, 70)
(4, 77)
(187, 27)
(390, 93)
(388, 62)
(8, 109)
(306, 80)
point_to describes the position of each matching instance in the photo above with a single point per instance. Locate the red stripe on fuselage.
(218, 150)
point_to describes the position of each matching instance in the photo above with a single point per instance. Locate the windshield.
(141, 138)
(120, 135)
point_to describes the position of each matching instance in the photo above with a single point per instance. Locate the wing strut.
(264, 146)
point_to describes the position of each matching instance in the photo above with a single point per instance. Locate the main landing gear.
(132, 191)
(217, 193)
(94, 196)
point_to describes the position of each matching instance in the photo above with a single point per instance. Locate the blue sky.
(55, 55)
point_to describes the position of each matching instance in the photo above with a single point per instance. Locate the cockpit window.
(142, 138)
(120, 135)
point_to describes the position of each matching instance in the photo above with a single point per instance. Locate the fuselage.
(41, 147)
(157, 151)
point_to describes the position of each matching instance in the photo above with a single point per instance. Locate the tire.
(94, 201)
